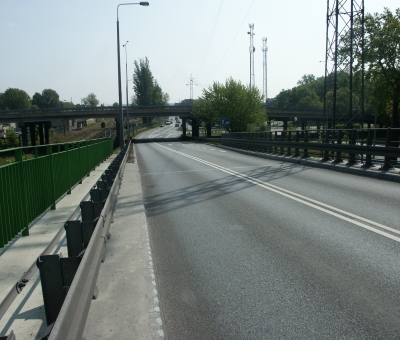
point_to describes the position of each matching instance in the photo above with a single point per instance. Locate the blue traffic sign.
(225, 121)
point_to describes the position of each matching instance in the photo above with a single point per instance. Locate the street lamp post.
(121, 115)
(127, 101)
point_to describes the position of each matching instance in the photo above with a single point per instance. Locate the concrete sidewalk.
(127, 306)
(26, 315)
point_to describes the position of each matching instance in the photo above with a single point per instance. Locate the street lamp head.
(144, 3)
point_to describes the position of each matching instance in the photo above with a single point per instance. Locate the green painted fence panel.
(28, 187)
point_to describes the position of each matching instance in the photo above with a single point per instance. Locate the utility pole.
(265, 83)
(251, 49)
(191, 86)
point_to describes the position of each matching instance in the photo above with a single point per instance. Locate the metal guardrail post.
(52, 285)
(275, 139)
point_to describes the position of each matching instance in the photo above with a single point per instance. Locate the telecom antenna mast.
(251, 49)
(344, 103)
(191, 86)
(265, 78)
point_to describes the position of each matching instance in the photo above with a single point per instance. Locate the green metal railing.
(34, 178)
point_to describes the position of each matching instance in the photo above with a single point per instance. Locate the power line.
(210, 39)
(232, 41)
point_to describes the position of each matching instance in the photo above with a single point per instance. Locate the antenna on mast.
(251, 49)
(265, 78)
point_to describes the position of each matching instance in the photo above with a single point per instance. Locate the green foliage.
(243, 105)
(14, 99)
(115, 104)
(12, 139)
(90, 100)
(382, 55)
(308, 94)
(47, 99)
(382, 59)
(67, 105)
(146, 88)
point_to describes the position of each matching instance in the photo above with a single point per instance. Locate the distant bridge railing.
(34, 178)
(335, 145)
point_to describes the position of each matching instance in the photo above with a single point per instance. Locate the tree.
(14, 99)
(143, 82)
(306, 79)
(382, 58)
(242, 104)
(90, 100)
(47, 99)
(308, 94)
(146, 88)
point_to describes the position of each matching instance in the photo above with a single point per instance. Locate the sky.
(70, 46)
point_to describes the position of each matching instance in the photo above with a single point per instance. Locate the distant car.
(161, 125)
(176, 125)
(167, 123)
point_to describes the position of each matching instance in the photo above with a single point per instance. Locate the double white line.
(339, 213)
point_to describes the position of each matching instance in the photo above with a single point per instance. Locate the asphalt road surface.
(167, 131)
(249, 248)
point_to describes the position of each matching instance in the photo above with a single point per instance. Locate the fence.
(352, 144)
(36, 177)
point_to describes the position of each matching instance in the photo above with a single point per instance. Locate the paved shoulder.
(127, 306)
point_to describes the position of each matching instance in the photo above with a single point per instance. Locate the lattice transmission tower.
(265, 70)
(344, 85)
(191, 83)
(251, 49)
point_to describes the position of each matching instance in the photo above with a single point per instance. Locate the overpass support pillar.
(47, 126)
(33, 133)
(303, 125)
(41, 135)
(208, 130)
(285, 124)
(184, 127)
(195, 128)
(24, 131)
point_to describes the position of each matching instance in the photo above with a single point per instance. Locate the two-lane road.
(248, 248)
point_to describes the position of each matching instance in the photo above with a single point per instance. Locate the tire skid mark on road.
(339, 213)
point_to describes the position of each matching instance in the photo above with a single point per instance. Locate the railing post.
(368, 157)
(49, 153)
(305, 154)
(386, 164)
(296, 150)
(22, 193)
(275, 139)
(352, 156)
(339, 142)
(270, 149)
(66, 149)
(289, 150)
(282, 147)
(326, 141)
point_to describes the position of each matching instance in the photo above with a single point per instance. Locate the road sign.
(225, 121)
